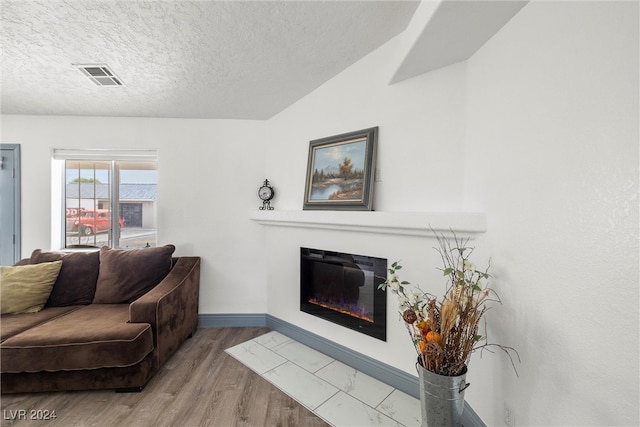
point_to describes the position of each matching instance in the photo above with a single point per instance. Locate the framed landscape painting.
(340, 171)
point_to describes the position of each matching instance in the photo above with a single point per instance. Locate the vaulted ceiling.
(214, 59)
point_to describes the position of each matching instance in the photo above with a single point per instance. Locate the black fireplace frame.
(377, 328)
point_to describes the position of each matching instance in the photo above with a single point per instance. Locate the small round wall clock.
(266, 193)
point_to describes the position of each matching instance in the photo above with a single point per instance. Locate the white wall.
(208, 175)
(539, 130)
(421, 134)
(421, 128)
(552, 158)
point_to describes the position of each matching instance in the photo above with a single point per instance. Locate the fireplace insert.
(343, 288)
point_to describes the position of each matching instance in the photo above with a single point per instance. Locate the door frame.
(17, 247)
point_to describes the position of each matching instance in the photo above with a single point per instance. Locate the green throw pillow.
(26, 288)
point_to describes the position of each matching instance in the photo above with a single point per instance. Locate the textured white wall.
(421, 123)
(552, 158)
(209, 172)
(541, 126)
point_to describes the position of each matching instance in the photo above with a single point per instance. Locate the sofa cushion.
(13, 324)
(26, 288)
(126, 275)
(94, 336)
(76, 283)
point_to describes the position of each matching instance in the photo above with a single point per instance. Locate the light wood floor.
(199, 386)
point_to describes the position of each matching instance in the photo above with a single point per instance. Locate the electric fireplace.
(343, 288)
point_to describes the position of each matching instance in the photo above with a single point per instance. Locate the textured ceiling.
(193, 59)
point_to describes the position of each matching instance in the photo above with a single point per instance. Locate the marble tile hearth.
(337, 393)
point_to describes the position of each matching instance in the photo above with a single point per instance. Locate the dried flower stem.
(445, 333)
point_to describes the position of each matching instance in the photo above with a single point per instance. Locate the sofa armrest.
(171, 308)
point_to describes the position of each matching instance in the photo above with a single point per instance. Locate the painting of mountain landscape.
(338, 172)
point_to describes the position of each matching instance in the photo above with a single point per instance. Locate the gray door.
(9, 204)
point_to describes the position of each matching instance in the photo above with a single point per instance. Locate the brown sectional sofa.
(112, 320)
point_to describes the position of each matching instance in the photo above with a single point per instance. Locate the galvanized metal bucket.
(441, 398)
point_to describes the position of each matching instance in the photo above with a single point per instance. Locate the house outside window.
(99, 183)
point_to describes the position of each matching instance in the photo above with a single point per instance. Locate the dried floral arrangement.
(445, 332)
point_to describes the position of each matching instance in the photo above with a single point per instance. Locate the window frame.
(114, 157)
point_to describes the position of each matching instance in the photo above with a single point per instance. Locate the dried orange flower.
(432, 336)
(423, 325)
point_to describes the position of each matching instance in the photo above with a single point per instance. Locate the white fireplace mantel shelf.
(399, 223)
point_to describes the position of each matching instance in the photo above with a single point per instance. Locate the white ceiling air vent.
(100, 74)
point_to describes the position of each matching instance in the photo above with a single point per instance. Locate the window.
(97, 184)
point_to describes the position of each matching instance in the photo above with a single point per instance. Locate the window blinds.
(150, 155)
